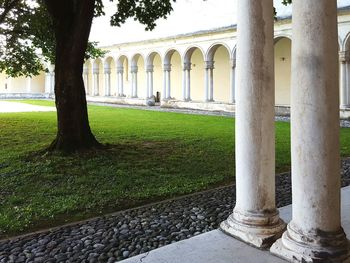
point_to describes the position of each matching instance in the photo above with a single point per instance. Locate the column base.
(295, 246)
(260, 230)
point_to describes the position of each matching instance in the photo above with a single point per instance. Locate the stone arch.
(173, 57)
(196, 57)
(154, 64)
(213, 48)
(138, 63)
(220, 54)
(282, 57)
(97, 70)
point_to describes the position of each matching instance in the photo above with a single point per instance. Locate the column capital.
(120, 69)
(344, 56)
(187, 66)
(134, 69)
(209, 64)
(150, 68)
(167, 67)
(95, 70)
(86, 70)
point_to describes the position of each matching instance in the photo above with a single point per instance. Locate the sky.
(188, 16)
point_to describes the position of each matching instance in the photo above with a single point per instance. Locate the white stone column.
(315, 233)
(134, 70)
(209, 81)
(343, 79)
(52, 82)
(184, 83)
(96, 81)
(255, 218)
(86, 79)
(233, 81)
(48, 82)
(347, 99)
(167, 83)
(187, 80)
(149, 71)
(29, 84)
(120, 81)
(107, 81)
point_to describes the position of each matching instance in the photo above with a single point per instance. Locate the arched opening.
(138, 64)
(155, 62)
(97, 70)
(110, 76)
(123, 86)
(220, 55)
(173, 58)
(283, 47)
(196, 57)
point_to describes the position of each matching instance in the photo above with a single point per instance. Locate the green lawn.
(154, 155)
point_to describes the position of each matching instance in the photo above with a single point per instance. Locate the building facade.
(195, 70)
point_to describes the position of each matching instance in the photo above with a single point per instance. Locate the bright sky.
(188, 16)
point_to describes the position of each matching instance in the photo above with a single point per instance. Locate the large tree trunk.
(72, 22)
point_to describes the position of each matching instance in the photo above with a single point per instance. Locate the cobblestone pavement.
(129, 233)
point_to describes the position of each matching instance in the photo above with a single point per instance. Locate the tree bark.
(72, 24)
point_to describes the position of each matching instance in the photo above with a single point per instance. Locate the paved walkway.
(132, 232)
(9, 106)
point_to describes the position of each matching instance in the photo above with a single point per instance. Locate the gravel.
(132, 232)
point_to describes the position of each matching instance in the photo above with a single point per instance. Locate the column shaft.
(206, 85)
(184, 84)
(255, 218)
(107, 84)
(315, 233)
(233, 82)
(168, 87)
(211, 84)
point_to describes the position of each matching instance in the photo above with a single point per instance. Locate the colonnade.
(315, 233)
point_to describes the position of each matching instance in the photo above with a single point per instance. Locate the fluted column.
(315, 233)
(149, 71)
(107, 81)
(344, 79)
(96, 81)
(255, 218)
(209, 81)
(233, 81)
(134, 70)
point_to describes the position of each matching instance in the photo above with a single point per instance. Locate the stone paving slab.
(9, 106)
(216, 247)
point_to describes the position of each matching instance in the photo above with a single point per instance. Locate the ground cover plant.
(151, 156)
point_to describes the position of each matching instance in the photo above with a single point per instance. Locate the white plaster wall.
(176, 76)
(283, 71)
(222, 75)
(197, 76)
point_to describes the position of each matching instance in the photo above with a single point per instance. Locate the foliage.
(27, 38)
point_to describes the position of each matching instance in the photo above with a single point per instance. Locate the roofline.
(203, 32)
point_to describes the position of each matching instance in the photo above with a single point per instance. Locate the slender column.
(149, 71)
(48, 82)
(233, 81)
(29, 84)
(96, 81)
(315, 233)
(120, 87)
(53, 82)
(347, 65)
(184, 83)
(167, 70)
(187, 81)
(343, 79)
(255, 218)
(209, 81)
(86, 79)
(134, 70)
(107, 81)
